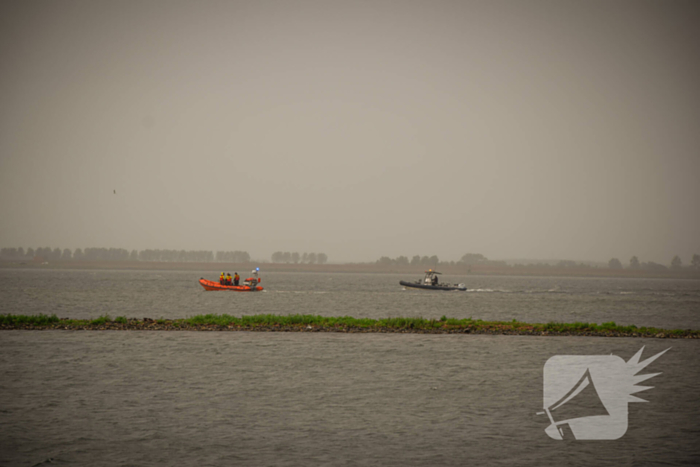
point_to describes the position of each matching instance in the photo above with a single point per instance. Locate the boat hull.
(211, 285)
(416, 285)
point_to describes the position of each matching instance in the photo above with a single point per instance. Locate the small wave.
(296, 291)
(50, 460)
(543, 291)
(490, 290)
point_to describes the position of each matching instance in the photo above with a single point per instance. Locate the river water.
(118, 398)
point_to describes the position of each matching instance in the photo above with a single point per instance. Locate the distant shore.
(364, 268)
(345, 324)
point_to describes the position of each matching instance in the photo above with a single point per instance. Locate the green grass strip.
(24, 320)
(286, 321)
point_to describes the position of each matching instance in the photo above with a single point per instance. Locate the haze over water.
(538, 129)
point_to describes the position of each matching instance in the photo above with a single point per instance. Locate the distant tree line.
(477, 258)
(470, 259)
(120, 254)
(417, 260)
(296, 258)
(433, 261)
(676, 264)
(44, 253)
(232, 257)
(175, 256)
(561, 264)
(205, 256)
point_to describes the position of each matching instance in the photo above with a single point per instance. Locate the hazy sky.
(516, 129)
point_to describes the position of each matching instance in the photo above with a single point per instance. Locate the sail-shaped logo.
(586, 396)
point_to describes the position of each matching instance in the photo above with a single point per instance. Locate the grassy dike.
(311, 323)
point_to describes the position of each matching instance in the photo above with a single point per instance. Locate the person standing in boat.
(236, 278)
(228, 278)
(253, 280)
(222, 279)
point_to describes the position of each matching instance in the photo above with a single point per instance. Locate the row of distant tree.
(676, 263)
(470, 259)
(205, 256)
(433, 261)
(120, 254)
(296, 258)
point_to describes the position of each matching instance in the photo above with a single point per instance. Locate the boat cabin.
(431, 277)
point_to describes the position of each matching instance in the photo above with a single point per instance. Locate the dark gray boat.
(431, 282)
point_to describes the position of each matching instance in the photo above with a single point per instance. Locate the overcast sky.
(515, 129)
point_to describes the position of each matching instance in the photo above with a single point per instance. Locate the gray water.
(236, 398)
(661, 303)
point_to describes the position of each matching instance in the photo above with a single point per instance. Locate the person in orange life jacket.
(228, 278)
(222, 279)
(236, 278)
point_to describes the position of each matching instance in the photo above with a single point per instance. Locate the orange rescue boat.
(251, 284)
(211, 285)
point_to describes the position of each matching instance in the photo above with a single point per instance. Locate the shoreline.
(358, 268)
(309, 323)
